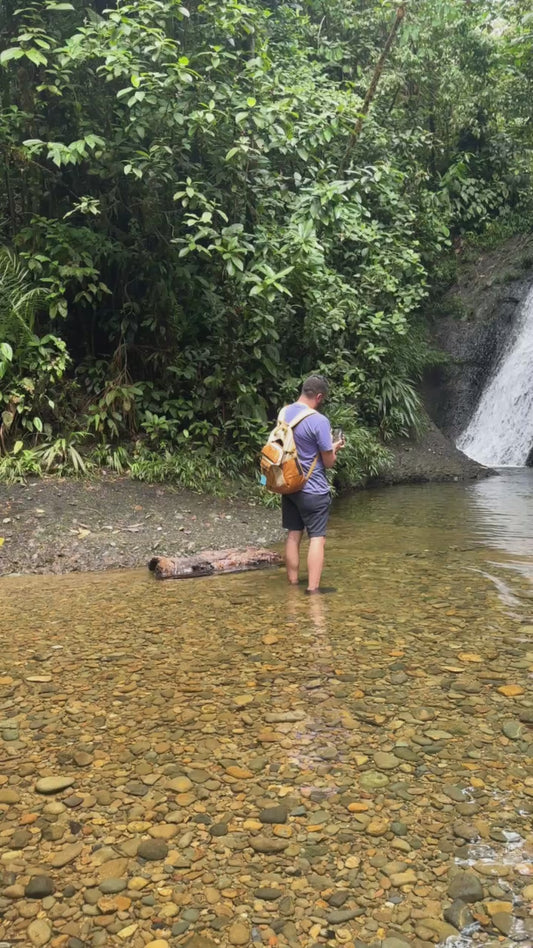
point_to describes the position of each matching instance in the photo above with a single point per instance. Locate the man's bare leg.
(292, 555)
(315, 562)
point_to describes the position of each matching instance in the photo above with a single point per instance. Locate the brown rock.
(66, 855)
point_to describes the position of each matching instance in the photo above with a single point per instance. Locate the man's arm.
(329, 457)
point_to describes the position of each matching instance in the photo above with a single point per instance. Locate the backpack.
(281, 471)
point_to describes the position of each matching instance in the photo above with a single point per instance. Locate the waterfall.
(500, 432)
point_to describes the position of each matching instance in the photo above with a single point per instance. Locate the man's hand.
(329, 457)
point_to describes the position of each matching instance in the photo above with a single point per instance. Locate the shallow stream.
(307, 771)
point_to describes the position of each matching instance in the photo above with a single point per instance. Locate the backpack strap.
(304, 413)
(311, 469)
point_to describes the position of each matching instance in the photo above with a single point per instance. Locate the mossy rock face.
(430, 457)
(471, 325)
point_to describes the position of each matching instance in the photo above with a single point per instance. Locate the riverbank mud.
(62, 526)
(55, 525)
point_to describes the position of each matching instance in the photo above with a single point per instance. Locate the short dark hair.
(315, 385)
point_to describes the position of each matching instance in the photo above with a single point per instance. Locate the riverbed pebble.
(204, 767)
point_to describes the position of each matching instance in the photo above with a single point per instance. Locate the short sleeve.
(323, 433)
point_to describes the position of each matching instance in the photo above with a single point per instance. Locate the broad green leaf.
(6, 351)
(35, 56)
(14, 52)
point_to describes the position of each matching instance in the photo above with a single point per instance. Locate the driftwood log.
(210, 562)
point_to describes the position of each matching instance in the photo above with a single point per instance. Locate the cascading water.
(500, 432)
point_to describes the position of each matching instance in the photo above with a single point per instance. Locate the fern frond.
(20, 300)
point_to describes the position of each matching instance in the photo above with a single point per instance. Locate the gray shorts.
(303, 510)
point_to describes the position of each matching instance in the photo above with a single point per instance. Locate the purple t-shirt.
(311, 436)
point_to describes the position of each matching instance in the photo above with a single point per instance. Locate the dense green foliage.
(199, 222)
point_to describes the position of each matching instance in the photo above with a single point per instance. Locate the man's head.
(315, 389)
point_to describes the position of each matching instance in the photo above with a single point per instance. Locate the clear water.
(433, 615)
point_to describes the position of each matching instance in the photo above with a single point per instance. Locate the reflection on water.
(462, 522)
(392, 720)
(495, 512)
(502, 511)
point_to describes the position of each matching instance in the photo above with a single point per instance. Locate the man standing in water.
(309, 508)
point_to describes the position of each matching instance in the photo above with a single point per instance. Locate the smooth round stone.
(152, 849)
(20, 839)
(73, 801)
(372, 780)
(458, 914)
(54, 808)
(343, 915)
(338, 898)
(53, 784)
(136, 788)
(273, 814)
(267, 894)
(263, 844)
(218, 829)
(239, 934)
(386, 761)
(513, 730)
(503, 921)
(39, 932)
(82, 759)
(465, 831)
(104, 798)
(112, 886)
(28, 910)
(9, 795)
(465, 886)
(66, 855)
(39, 887)
(180, 785)
(54, 832)
(13, 891)
(406, 753)
(394, 942)
(191, 915)
(378, 827)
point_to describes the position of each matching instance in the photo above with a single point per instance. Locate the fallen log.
(211, 561)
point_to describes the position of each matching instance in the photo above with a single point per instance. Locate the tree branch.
(400, 13)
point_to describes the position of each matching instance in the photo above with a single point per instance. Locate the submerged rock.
(465, 886)
(458, 914)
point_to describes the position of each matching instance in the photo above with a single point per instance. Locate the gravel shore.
(59, 526)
